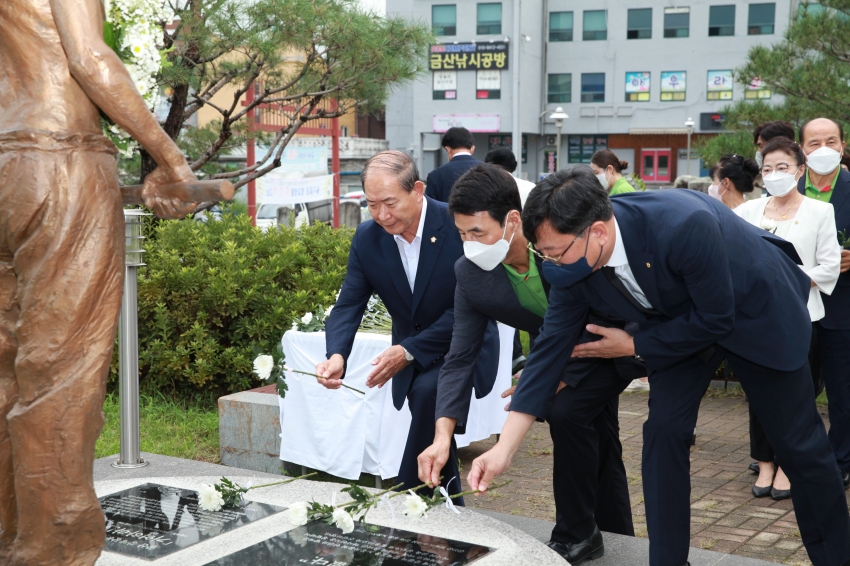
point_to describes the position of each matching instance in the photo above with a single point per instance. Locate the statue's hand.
(157, 197)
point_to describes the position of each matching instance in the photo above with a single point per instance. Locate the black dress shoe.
(845, 477)
(753, 467)
(780, 494)
(576, 553)
(762, 491)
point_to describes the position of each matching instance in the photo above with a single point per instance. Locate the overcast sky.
(379, 6)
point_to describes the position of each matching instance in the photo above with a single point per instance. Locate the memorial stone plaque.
(321, 544)
(150, 521)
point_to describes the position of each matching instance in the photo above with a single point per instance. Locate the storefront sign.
(469, 56)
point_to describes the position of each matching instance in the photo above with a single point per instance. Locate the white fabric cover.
(344, 433)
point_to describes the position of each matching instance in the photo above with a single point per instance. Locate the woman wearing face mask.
(810, 225)
(733, 177)
(609, 170)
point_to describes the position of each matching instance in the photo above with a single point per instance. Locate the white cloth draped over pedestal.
(345, 433)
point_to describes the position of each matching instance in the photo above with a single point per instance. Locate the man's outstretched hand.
(615, 343)
(486, 467)
(332, 370)
(157, 197)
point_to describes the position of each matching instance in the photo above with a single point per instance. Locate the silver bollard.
(128, 345)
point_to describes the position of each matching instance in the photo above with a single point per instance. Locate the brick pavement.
(725, 517)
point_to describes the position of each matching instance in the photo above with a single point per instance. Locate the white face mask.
(713, 191)
(488, 256)
(823, 160)
(759, 159)
(603, 180)
(780, 184)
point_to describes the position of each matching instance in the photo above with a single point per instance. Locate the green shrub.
(213, 294)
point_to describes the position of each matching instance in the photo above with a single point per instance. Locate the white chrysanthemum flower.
(768, 224)
(343, 520)
(209, 499)
(414, 506)
(328, 312)
(263, 366)
(307, 318)
(298, 513)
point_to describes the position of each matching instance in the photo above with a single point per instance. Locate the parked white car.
(267, 216)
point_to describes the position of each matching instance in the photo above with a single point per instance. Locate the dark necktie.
(618, 284)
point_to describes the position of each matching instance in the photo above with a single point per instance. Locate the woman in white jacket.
(809, 224)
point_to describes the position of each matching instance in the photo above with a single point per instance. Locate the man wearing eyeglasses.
(500, 278)
(703, 286)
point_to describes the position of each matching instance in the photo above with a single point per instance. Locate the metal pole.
(516, 132)
(128, 346)
(250, 158)
(558, 149)
(689, 151)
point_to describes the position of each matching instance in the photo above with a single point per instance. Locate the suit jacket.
(813, 234)
(837, 305)
(440, 181)
(712, 278)
(484, 295)
(423, 319)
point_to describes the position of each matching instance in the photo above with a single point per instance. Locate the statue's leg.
(8, 396)
(67, 238)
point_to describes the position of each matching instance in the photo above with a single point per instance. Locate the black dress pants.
(422, 400)
(785, 404)
(589, 477)
(760, 449)
(834, 346)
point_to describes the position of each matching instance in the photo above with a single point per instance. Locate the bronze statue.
(61, 267)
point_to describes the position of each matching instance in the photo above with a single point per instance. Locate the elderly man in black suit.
(823, 141)
(500, 278)
(459, 145)
(405, 255)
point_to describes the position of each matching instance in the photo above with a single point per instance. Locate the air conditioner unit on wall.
(551, 140)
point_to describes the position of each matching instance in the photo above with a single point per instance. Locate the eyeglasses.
(781, 168)
(545, 257)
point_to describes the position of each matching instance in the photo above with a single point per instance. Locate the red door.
(655, 165)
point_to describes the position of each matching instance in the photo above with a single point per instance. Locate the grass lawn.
(183, 429)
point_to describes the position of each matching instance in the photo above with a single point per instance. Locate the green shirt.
(816, 193)
(621, 186)
(529, 287)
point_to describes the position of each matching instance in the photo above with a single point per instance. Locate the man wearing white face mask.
(500, 278)
(823, 142)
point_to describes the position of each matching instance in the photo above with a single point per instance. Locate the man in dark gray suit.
(459, 145)
(499, 278)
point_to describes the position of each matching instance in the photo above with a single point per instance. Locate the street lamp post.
(559, 116)
(689, 124)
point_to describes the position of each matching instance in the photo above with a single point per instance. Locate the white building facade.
(629, 73)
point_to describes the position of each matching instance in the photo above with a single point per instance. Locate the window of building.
(444, 19)
(561, 26)
(673, 86)
(761, 20)
(490, 18)
(721, 20)
(560, 88)
(595, 25)
(593, 87)
(637, 87)
(720, 85)
(639, 24)
(677, 22)
(488, 84)
(444, 85)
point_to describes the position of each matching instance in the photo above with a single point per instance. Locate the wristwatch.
(408, 357)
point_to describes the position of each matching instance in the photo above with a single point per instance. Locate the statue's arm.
(105, 80)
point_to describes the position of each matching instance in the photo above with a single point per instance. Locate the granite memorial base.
(516, 541)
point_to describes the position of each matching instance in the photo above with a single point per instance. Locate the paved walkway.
(725, 517)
